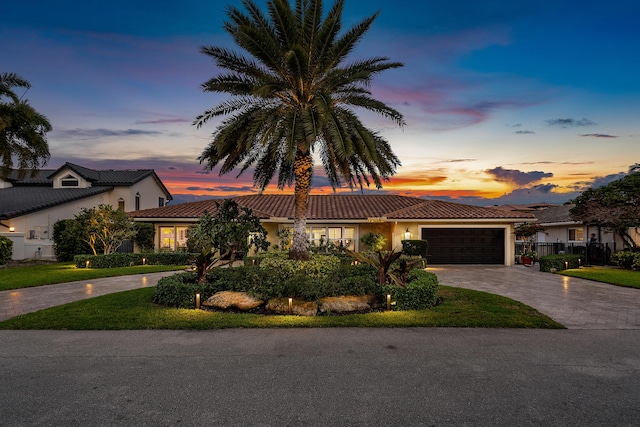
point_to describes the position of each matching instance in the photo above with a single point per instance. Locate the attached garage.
(465, 245)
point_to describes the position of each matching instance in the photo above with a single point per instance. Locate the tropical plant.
(373, 241)
(382, 261)
(22, 129)
(104, 228)
(615, 206)
(67, 240)
(293, 95)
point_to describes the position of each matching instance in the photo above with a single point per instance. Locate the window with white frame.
(576, 234)
(69, 181)
(321, 235)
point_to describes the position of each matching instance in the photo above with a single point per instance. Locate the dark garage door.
(465, 245)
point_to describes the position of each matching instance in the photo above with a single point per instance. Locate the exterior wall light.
(12, 229)
(407, 235)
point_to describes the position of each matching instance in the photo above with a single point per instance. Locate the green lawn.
(614, 276)
(60, 272)
(134, 310)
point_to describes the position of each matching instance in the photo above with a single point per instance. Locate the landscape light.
(290, 305)
(566, 265)
(197, 300)
(86, 265)
(144, 261)
(388, 302)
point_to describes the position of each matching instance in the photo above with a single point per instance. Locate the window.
(167, 238)
(576, 235)
(323, 236)
(121, 204)
(137, 201)
(69, 181)
(160, 202)
(173, 238)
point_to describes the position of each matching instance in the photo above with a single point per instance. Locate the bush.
(626, 260)
(128, 259)
(559, 262)
(374, 241)
(66, 241)
(145, 234)
(318, 266)
(176, 291)
(419, 294)
(415, 248)
(6, 249)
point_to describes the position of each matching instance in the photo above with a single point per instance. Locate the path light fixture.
(290, 305)
(566, 265)
(86, 264)
(197, 300)
(388, 302)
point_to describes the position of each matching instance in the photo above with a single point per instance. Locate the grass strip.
(60, 272)
(132, 310)
(614, 276)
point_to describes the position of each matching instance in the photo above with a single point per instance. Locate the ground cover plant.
(60, 272)
(134, 309)
(614, 276)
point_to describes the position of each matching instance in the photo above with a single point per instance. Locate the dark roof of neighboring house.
(555, 215)
(34, 191)
(531, 207)
(338, 207)
(17, 201)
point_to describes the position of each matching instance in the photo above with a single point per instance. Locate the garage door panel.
(465, 245)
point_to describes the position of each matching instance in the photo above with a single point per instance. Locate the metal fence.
(594, 253)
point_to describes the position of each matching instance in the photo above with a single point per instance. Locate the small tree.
(236, 230)
(374, 241)
(105, 227)
(145, 233)
(615, 206)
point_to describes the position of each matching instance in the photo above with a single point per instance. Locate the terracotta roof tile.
(338, 207)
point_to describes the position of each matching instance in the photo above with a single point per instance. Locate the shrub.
(420, 292)
(176, 291)
(373, 241)
(626, 259)
(320, 266)
(145, 234)
(66, 240)
(6, 249)
(559, 262)
(415, 248)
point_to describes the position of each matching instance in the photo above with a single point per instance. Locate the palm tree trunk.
(303, 170)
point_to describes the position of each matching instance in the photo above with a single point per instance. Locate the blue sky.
(505, 101)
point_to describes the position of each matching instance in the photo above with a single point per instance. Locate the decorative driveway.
(576, 303)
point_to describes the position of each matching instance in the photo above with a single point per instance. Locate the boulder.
(228, 299)
(298, 308)
(347, 304)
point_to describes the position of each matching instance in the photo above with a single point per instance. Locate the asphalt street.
(337, 377)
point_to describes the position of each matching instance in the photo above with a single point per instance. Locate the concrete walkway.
(576, 303)
(20, 301)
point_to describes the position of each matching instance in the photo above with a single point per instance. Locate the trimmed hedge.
(129, 259)
(419, 294)
(415, 248)
(559, 262)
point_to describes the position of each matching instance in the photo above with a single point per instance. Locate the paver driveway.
(576, 303)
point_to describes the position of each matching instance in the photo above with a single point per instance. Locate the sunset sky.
(505, 101)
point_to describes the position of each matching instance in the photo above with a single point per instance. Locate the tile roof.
(338, 207)
(17, 201)
(554, 215)
(35, 191)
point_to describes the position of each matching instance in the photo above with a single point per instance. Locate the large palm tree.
(292, 96)
(22, 129)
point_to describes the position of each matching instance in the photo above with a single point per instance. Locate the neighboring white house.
(457, 233)
(30, 205)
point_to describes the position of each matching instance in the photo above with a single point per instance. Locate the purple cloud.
(516, 177)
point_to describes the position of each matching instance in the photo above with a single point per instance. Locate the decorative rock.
(346, 304)
(298, 308)
(229, 299)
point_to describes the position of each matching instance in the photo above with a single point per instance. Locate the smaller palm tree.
(22, 129)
